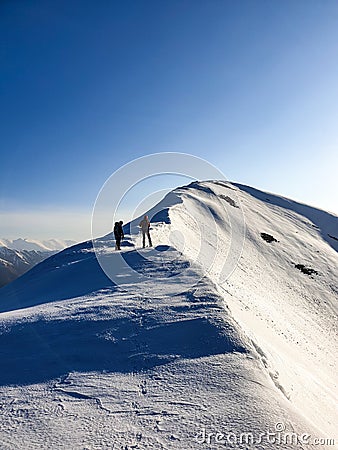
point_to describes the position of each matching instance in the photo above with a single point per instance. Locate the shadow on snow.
(35, 352)
(40, 350)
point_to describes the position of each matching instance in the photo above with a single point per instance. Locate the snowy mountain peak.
(225, 325)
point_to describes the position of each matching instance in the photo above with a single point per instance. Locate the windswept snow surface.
(179, 360)
(290, 316)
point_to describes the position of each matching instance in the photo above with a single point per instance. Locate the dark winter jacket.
(118, 230)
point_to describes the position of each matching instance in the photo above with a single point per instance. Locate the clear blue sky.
(86, 86)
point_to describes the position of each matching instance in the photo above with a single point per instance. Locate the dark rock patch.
(333, 237)
(229, 200)
(268, 238)
(306, 270)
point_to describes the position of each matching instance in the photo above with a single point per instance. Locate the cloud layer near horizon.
(46, 224)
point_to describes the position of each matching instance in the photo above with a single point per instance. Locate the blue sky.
(86, 86)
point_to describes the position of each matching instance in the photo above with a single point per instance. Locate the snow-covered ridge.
(283, 293)
(161, 359)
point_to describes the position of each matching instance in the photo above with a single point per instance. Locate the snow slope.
(157, 363)
(290, 316)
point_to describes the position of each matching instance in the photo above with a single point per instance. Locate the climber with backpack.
(118, 233)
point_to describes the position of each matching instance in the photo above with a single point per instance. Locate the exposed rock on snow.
(306, 270)
(229, 200)
(268, 237)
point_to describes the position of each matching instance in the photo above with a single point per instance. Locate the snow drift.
(202, 343)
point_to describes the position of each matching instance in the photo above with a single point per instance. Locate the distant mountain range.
(19, 255)
(30, 244)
